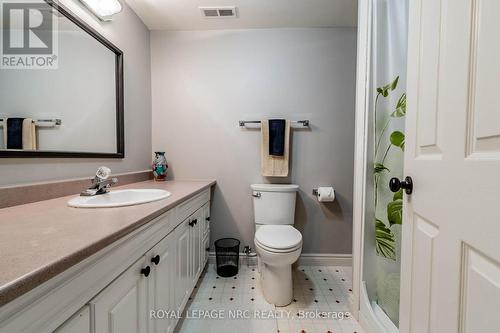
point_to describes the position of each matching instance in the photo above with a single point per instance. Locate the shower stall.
(384, 108)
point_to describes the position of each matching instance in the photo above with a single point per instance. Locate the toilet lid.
(278, 237)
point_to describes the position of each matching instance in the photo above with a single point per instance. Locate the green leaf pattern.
(384, 235)
(398, 139)
(395, 212)
(400, 107)
(378, 168)
(384, 240)
(384, 91)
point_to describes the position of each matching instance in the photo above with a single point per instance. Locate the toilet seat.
(278, 238)
(275, 251)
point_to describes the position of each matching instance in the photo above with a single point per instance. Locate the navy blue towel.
(14, 133)
(277, 137)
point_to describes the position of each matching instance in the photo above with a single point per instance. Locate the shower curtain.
(388, 110)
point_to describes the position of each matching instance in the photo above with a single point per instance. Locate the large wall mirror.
(61, 85)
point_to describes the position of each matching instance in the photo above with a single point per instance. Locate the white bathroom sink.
(119, 198)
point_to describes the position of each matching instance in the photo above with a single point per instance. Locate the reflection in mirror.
(61, 90)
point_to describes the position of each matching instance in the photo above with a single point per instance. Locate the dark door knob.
(195, 221)
(191, 223)
(156, 259)
(145, 271)
(407, 184)
(208, 218)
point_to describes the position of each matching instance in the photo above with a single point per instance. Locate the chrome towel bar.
(303, 123)
(42, 122)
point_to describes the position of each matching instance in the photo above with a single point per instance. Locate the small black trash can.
(227, 252)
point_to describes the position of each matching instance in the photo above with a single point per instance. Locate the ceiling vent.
(218, 12)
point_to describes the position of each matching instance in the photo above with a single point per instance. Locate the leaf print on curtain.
(386, 138)
(384, 236)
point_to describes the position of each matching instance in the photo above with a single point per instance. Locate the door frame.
(362, 114)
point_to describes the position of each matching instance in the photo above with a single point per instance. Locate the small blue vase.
(160, 166)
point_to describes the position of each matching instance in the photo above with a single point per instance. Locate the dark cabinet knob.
(145, 271)
(207, 218)
(207, 249)
(191, 223)
(407, 184)
(156, 259)
(195, 221)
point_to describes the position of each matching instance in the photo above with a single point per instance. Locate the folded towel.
(29, 134)
(4, 127)
(274, 166)
(19, 133)
(13, 129)
(277, 137)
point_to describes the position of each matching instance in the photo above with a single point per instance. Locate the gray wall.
(128, 33)
(203, 82)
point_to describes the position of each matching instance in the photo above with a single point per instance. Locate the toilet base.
(277, 284)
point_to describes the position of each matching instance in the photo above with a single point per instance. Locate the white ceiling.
(185, 15)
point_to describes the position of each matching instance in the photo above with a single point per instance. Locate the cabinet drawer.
(190, 206)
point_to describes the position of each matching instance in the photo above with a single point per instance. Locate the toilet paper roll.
(326, 194)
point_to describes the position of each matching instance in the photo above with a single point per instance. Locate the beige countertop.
(42, 239)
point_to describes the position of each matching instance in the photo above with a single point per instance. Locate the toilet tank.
(274, 203)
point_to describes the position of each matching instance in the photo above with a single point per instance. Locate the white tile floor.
(319, 292)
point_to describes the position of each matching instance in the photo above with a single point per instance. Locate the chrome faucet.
(101, 183)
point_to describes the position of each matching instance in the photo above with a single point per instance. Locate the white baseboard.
(306, 259)
(323, 259)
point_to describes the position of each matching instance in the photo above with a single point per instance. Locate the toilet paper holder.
(315, 192)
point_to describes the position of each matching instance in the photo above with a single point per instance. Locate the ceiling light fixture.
(103, 9)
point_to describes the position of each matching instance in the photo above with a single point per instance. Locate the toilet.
(277, 242)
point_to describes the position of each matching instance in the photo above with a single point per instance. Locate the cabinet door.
(205, 249)
(182, 271)
(122, 306)
(195, 243)
(162, 283)
(79, 323)
(206, 219)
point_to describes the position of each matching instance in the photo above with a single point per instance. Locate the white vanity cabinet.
(123, 305)
(154, 268)
(162, 283)
(149, 285)
(191, 254)
(182, 268)
(195, 244)
(161, 280)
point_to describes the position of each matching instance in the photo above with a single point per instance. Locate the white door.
(450, 278)
(182, 271)
(161, 283)
(122, 306)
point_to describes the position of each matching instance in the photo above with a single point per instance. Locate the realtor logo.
(29, 36)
